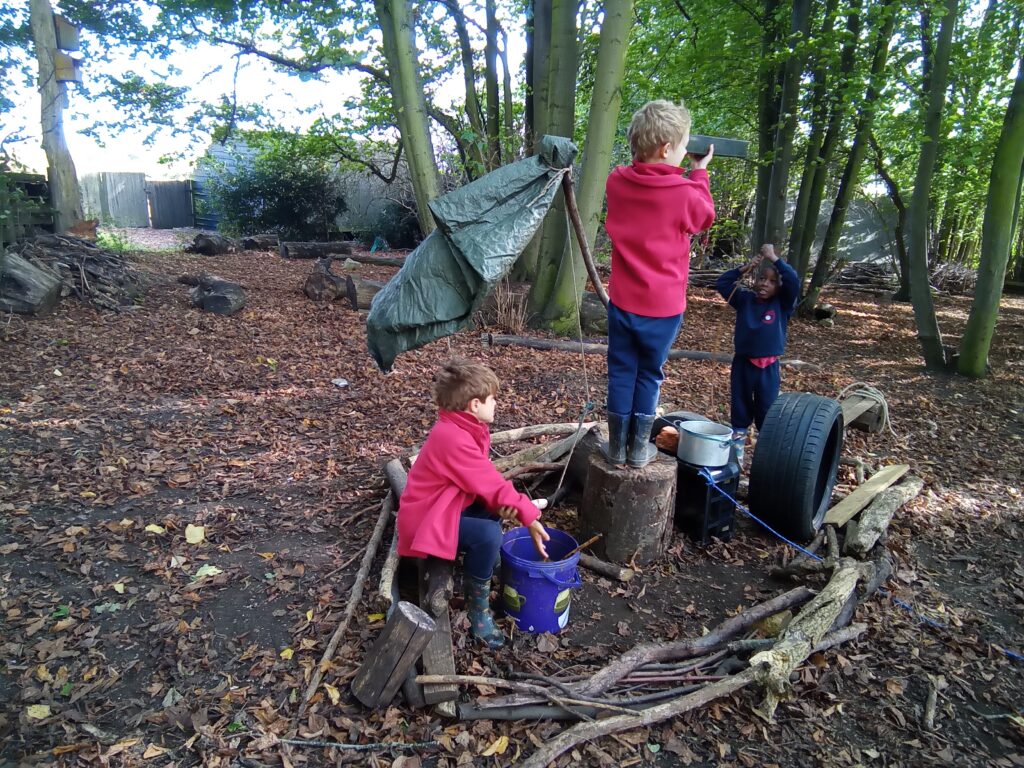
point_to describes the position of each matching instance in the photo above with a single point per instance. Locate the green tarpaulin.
(482, 228)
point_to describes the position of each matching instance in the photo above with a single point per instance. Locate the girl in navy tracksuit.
(762, 316)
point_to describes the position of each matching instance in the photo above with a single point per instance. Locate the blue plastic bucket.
(535, 593)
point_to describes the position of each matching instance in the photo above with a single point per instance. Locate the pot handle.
(574, 583)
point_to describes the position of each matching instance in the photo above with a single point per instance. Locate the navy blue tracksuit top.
(761, 325)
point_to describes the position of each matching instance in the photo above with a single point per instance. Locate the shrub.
(396, 223)
(286, 189)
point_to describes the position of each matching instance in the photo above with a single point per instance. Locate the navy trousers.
(479, 541)
(637, 350)
(753, 391)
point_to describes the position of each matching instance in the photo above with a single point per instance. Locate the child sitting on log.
(455, 496)
(652, 211)
(762, 317)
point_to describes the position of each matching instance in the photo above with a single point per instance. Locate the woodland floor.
(167, 416)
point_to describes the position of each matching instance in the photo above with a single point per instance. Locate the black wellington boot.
(618, 432)
(641, 450)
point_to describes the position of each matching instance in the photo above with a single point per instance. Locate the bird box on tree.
(67, 69)
(67, 34)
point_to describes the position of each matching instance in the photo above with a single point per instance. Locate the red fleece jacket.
(652, 211)
(453, 470)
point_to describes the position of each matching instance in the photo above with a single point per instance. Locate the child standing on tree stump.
(455, 496)
(652, 211)
(762, 318)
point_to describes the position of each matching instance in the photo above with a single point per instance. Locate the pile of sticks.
(866, 275)
(96, 275)
(656, 681)
(950, 277)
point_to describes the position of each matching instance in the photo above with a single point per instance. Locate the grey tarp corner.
(482, 228)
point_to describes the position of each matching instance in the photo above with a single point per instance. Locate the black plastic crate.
(702, 512)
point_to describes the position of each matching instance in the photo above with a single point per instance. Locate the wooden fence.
(132, 200)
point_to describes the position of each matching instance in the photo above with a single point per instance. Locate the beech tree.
(1001, 209)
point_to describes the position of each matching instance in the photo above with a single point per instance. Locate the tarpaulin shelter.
(482, 228)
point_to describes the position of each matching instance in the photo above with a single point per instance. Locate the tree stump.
(26, 288)
(631, 508)
(436, 585)
(210, 245)
(214, 294)
(322, 284)
(313, 250)
(394, 652)
(360, 291)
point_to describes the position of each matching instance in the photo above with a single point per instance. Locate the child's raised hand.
(768, 252)
(539, 536)
(700, 163)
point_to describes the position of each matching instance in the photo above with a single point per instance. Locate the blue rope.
(710, 481)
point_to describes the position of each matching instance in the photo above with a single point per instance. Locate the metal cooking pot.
(704, 443)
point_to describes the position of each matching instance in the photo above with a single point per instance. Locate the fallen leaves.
(37, 711)
(195, 534)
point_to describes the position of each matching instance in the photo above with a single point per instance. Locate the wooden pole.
(581, 238)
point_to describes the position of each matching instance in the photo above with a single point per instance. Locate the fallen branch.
(539, 690)
(532, 468)
(611, 725)
(355, 595)
(608, 570)
(499, 340)
(535, 430)
(397, 478)
(875, 519)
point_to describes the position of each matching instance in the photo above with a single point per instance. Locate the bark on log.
(590, 348)
(214, 294)
(25, 288)
(586, 448)
(355, 595)
(298, 250)
(436, 585)
(544, 452)
(874, 520)
(535, 430)
(265, 242)
(806, 630)
(632, 508)
(395, 651)
(322, 284)
(397, 478)
(211, 245)
(360, 291)
(609, 570)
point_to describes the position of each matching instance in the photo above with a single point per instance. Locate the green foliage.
(289, 188)
(112, 241)
(396, 223)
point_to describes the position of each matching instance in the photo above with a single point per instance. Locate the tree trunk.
(509, 143)
(848, 183)
(818, 173)
(559, 121)
(26, 288)
(63, 181)
(491, 79)
(475, 146)
(767, 118)
(311, 250)
(399, 42)
(917, 216)
(562, 311)
(902, 260)
(996, 235)
(778, 179)
(819, 116)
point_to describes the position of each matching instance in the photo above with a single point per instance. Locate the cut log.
(631, 508)
(265, 242)
(360, 291)
(608, 570)
(874, 520)
(395, 651)
(25, 288)
(313, 250)
(211, 244)
(863, 494)
(322, 284)
(436, 585)
(214, 294)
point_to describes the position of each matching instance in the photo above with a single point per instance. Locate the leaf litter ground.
(124, 644)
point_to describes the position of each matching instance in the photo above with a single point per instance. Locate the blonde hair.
(459, 380)
(656, 123)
